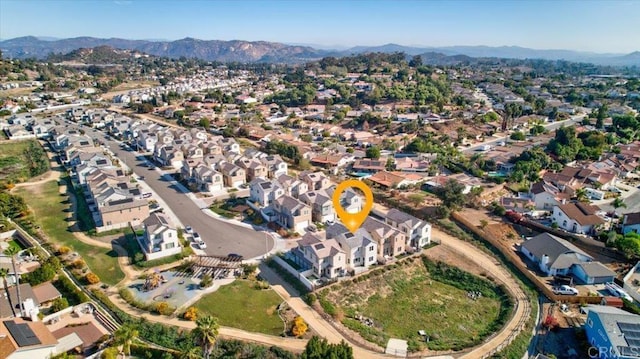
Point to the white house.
(160, 237)
(326, 257)
(264, 192)
(418, 232)
(360, 248)
(578, 217)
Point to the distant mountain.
(509, 52)
(212, 50)
(263, 51)
(99, 55)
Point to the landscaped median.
(51, 213)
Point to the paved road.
(221, 237)
(549, 126)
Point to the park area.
(243, 304)
(51, 213)
(430, 304)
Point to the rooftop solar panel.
(22, 334)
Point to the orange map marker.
(353, 221)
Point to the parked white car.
(565, 290)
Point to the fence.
(282, 263)
(519, 264)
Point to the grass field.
(239, 305)
(51, 213)
(404, 300)
(13, 164)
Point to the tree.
(617, 203)
(416, 199)
(483, 223)
(125, 335)
(92, 278)
(629, 244)
(12, 206)
(191, 353)
(581, 195)
(59, 304)
(373, 152)
(11, 252)
(451, 194)
(518, 136)
(205, 123)
(319, 348)
(206, 334)
(299, 327)
(416, 61)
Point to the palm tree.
(124, 336)
(581, 195)
(206, 333)
(192, 353)
(11, 252)
(617, 203)
(4, 272)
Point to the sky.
(609, 26)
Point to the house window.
(371, 248)
(170, 245)
(564, 223)
(590, 323)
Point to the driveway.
(222, 237)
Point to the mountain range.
(274, 52)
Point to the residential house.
(325, 257)
(418, 232)
(391, 242)
(395, 179)
(577, 217)
(361, 249)
(612, 332)
(160, 237)
(122, 213)
(275, 165)
(292, 186)
(207, 179)
(315, 180)
(146, 140)
(265, 192)
(169, 156)
(556, 256)
(292, 213)
(253, 168)
(331, 161)
(232, 175)
(631, 223)
(229, 145)
(321, 204)
(545, 195)
(21, 339)
(368, 166)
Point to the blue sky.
(588, 25)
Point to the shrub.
(163, 308)
(59, 304)
(109, 353)
(92, 278)
(191, 314)
(299, 327)
(64, 250)
(206, 281)
(78, 263)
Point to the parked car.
(617, 291)
(201, 244)
(565, 290)
(188, 229)
(196, 236)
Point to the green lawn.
(13, 164)
(407, 299)
(239, 305)
(51, 212)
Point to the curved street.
(221, 236)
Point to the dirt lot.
(449, 256)
(563, 341)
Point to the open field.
(401, 301)
(14, 164)
(51, 213)
(240, 305)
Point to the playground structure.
(153, 281)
